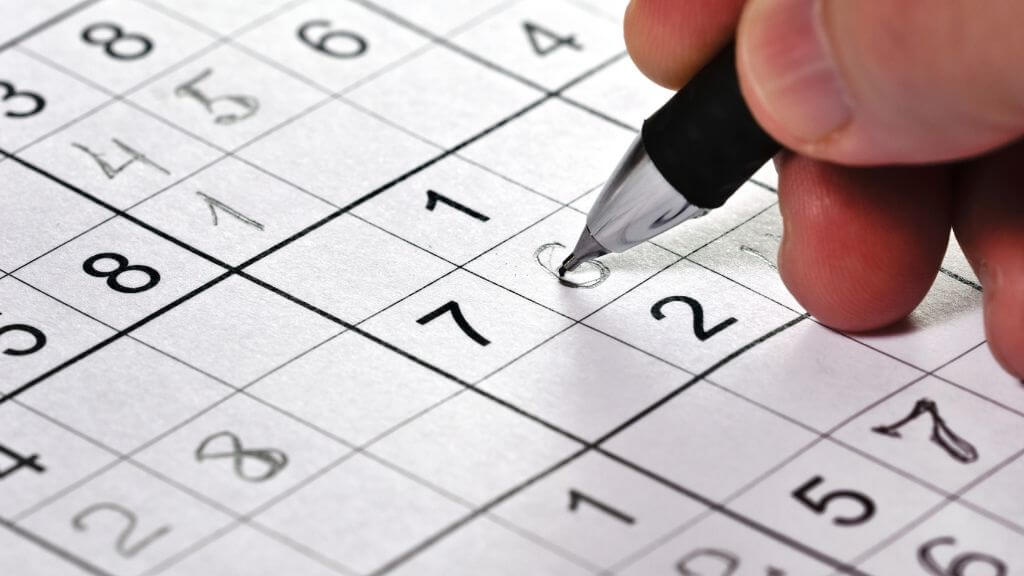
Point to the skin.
(903, 122)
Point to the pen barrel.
(705, 141)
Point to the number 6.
(322, 44)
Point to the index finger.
(671, 40)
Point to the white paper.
(277, 296)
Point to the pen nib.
(561, 269)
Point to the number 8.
(111, 36)
(89, 266)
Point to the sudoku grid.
(276, 297)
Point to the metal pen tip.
(586, 249)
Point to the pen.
(690, 157)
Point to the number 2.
(699, 331)
(130, 521)
(802, 494)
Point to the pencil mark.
(760, 255)
(959, 564)
(323, 43)
(545, 41)
(273, 461)
(215, 205)
(122, 545)
(958, 448)
(590, 274)
(756, 254)
(111, 171)
(247, 105)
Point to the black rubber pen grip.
(705, 141)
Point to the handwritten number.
(116, 43)
(35, 333)
(215, 205)
(111, 171)
(273, 461)
(959, 564)
(958, 448)
(576, 498)
(245, 106)
(330, 41)
(10, 93)
(433, 198)
(18, 462)
(123, 547)
(699, 331)
(123, 267)
(544, 41)
(456, 312)
(803, 495)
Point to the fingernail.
(792, 69)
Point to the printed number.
(576, 497)
(433, 198)
(116, 43)
(727, 562)
(123, 547)
(123, 267)
(456, 312)
(18, 462)
(273, 460)
(35, 333)
(334, 43)
(802, 494)
(544, 41)
(10, 93)
(959, 564)
(699, 331)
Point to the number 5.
(802, 494)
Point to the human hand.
(904, 120)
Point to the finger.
(670, 40)
(884, 82)
(861, 246)
(989, 223)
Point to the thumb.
(859, 82)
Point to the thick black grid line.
(538, 104)
(52, 548)
(48, 23)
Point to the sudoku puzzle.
(278, 296)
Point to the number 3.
(802, 494)
(10, 93)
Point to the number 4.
(544, 41)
